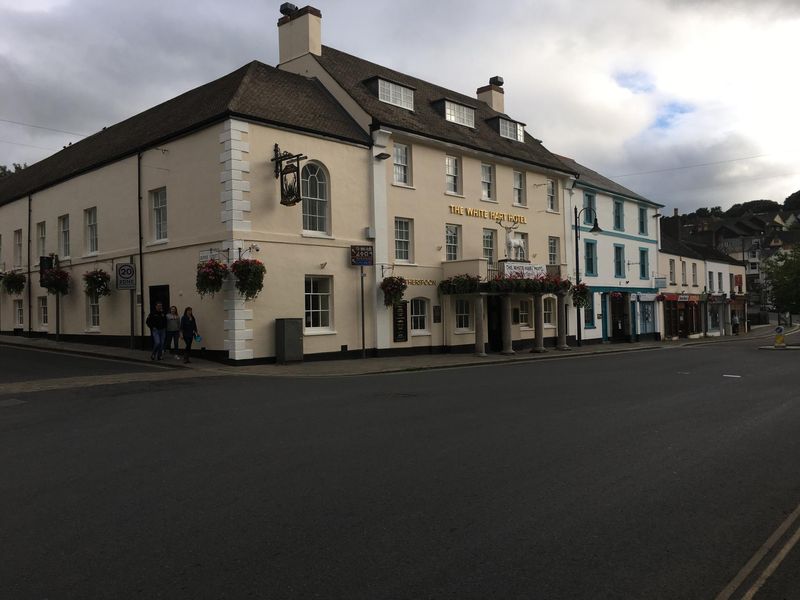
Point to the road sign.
(361, 256)
(126, 276)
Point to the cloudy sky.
(688, 102)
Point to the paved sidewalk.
(393, 364)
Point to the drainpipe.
(141, 255)
(30, 298)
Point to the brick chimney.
(492, 94)
(299, 32)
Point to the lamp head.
(595, 228)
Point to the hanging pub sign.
(287, 168)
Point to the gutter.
(30, 291)
(141, 255)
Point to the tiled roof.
(709, 253)
(354, 75)
(254, 92)
(670, 245)
(594, 179)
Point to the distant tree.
(717, 212)
(5, 171)
(702, 212)
(792, 201)
(755, 206)
(783, 276)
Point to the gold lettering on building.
(420, 282)
(481, 213)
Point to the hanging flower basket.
(211, 275)
(97, 283)
(660, 298)
(393, 288)
(459, 284)
(13, 283)
(55, 281)
(616, 295)
(249, 273)
(580, 295)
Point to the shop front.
(682, 316)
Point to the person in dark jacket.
(157, 322)
(188, 331)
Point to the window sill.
(314, 332)
(454, 194)
(463, 331)
(89, 255)
(555, 212)
(489, 200)
(157, 242)
(549, 326)
(590, 326)
(526, 328)
(92, 330)
(405, 186)
(515, 205)
(404, 263)
(317, 234)
(420, 333)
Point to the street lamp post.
(594, 230)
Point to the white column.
(380, 217)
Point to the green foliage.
(754, 206)
(792, 201)
(783, 274)
(13, 282)
(5, 171)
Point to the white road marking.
(734, 376)
(683, 373)
(772, 566)
(762, 552)
(11, 402)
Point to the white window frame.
(159, 211)
(487, 182)
(512, 130)
(711, 281)
(41, 238)
(323, 308)
(19, 314)
(395, 94)
(17, 255)
(552, 196)
(90, 223)
(694, 274)
(518, 183)
(316, 212)
(463, 315)
(92, 312)
(553, 250)
(525, 314)
(672, 280)
(548, 302)
(720, 282)
(419, 317)
(458, 113)
(452, 174)
(402, 164)
(489, 253)
(41, 309)
(63, 236)
(452, 241)
(403, 240)
(683, 273)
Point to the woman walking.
(173, 331)
(188, 331)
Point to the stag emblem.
(515, 247)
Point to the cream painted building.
(437, 182)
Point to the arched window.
(314, 190)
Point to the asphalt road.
(650, 475)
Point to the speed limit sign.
(126, 276)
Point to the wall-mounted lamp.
(570, 185)
(382, 156)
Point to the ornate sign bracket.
(287, 168)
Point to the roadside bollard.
(780, 339)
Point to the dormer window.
(393, 93)
(512, 130)
(458, 113)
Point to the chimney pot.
(675, 212)
(496, 80)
